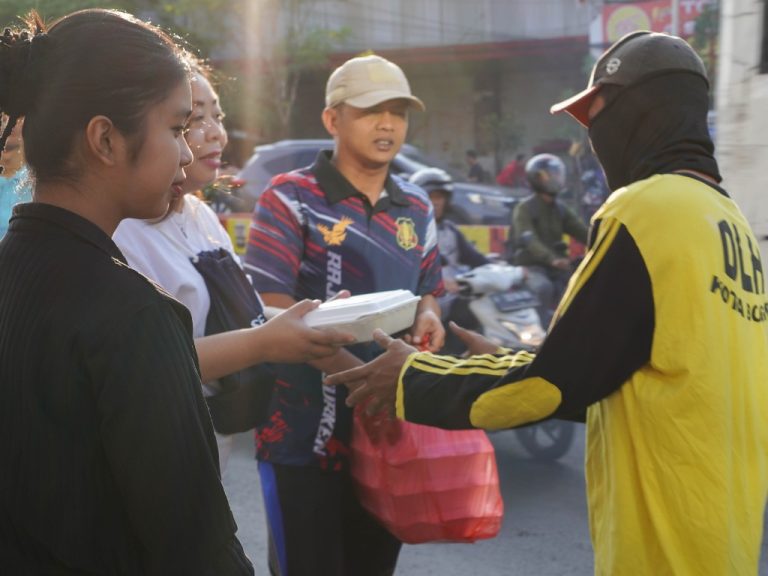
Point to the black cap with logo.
(634, 57)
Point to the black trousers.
(318, 528)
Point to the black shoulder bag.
(243, 402)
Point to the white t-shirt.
(162, 251)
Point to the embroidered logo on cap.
(612, 66)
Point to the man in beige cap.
(661, 340)
(344, 223)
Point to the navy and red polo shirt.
(312, 235)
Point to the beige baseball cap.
(366, 81)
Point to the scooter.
(504, 310)
(506, 315)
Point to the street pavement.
(545, 530)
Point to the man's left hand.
(427, 333)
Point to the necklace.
(180, 219)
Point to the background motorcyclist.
(457, 254)
(536, 234)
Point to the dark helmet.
(546, 173)
(433, 180)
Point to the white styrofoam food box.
(360, 315)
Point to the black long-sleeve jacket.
(108, 460)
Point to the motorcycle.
(505, 313)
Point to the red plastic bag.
(426, 484)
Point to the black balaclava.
(655, 126)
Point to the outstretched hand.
(376, 380)
(291, 340)
(476, 343)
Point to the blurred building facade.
(742, 101)
(487, 70)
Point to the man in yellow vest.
(661, 338)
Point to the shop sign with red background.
(620, 19)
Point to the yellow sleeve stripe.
(509, 361)
(460, 371)
(399, 395)
(439, 360)
(515, 404)
(485, 364)
(608, 231)
(500, 358)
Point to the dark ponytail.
(89, 63)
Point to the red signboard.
(620, 19)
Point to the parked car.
(472, 203)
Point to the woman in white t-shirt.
(163, 251)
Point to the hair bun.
(21, 52)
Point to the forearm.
(603, 332)
(428, 303)
(228, 352)
(468, 254)
(540, 254)
(342, 360)
(454, 393)
(533, 249)
(574, 227)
